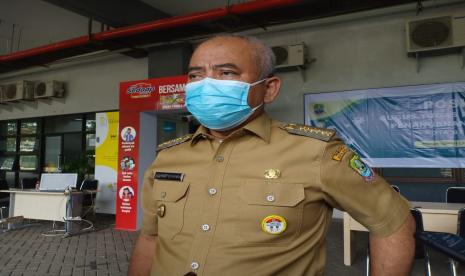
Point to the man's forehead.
(225, 41)
(223, 51)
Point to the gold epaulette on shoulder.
(174, 142)
(323, 134)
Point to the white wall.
(89, 87)
(356, 54)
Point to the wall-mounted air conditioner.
(290, 55)
(21, 90)
(435, 33)
(46, 89)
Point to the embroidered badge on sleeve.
(361, 168)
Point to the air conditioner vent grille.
(280, 53)
(290, 55)
(10, 92)
(432, 34)
(41, 88)
(435, 35)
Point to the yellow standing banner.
(106, 161)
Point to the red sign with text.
(153, 94)
(136, 97)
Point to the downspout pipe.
(176, 21)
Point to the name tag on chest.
(169, 176)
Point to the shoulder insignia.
(174, 142)
(340, 152)
(323, 134)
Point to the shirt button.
(270, 198)
(205, 227)
(212, 191)
(219, 158)
(161, 210)
(195, 265)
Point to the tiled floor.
(105, 251)
(36, 250)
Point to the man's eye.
(194, 76)
(229, 73)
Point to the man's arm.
(393, 255)
(142, 255)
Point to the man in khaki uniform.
(248, 194)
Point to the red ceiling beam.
(176, 21)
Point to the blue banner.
(413, 126)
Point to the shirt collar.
(260, 126)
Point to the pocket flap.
(273, 194)
(170, 191)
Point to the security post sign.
(136, 97)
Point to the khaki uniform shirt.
(216, 221)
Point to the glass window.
(8, 129)
(7, 163)
(63, 124)
(28, 162)
(90, 142)
(90, 122)
(10, 178)
(72, 147)
(52, 153)
(28, 144)
(11, 144)
(28, 128)
(11, 128)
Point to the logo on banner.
(319, 108)
(140, 90)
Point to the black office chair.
(396, 188)
(89, 184)
(28, 183)
(460, 233)
(88, 200)
(455, 195)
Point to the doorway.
(174, 125)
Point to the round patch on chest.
(274, 224)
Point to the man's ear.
(272, 86)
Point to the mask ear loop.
(253, 84)
(257, 107)
(258, 82)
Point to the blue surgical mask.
(220, 104)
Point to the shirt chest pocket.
(270, 212)
(171, 200)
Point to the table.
(34, 204)
(437, 216)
